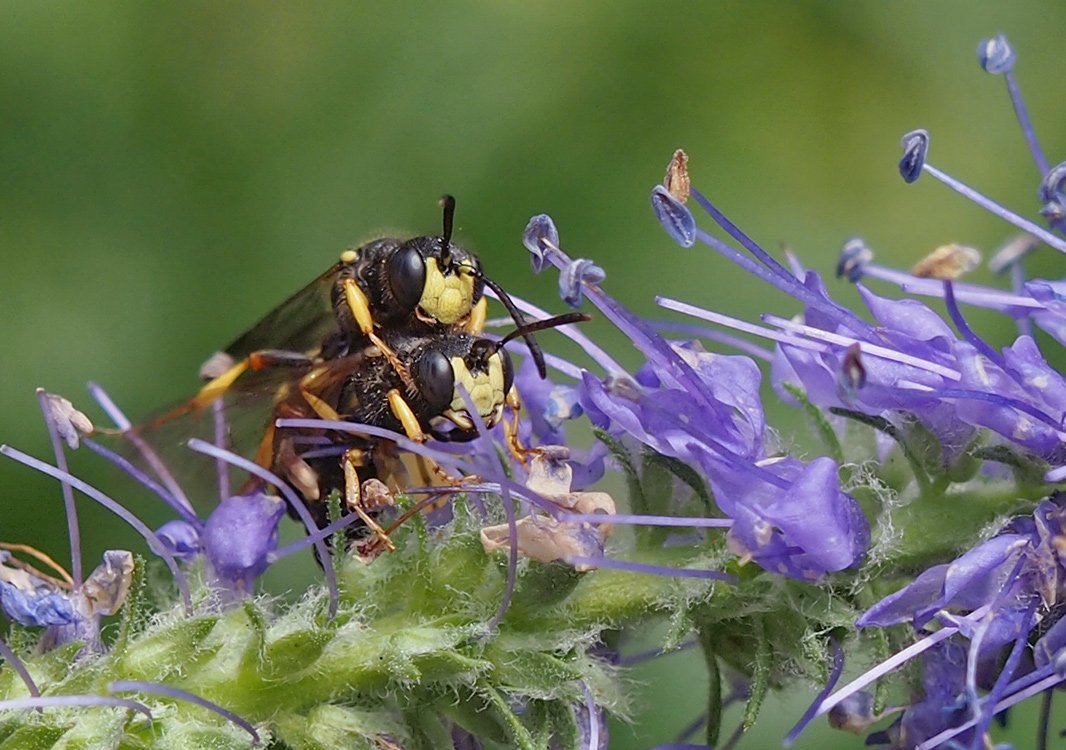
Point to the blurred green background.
(171, 171)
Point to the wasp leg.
(297, 471)
(320, 407)
(510, 429)
(354, 500)
(359, 306)
(476, 323)
(218, 385)
(402, 411)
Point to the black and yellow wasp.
(384, 337)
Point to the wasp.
(427, 284)
(384, 337)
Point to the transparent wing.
(299, 324)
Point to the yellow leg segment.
(402, 411)
(206, 396)
(353, 499)
(216, 387)
(510, 429)
(322, 409)
(359, 305)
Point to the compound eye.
(436, 380)
(407, 275)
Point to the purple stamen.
(126, 466)
(736, 324)
(656, 570)
(993, 299)
(792, 285)
(1053, 195)
(811, 712)
(747, 347)
(1000, 400)
(994, 208)
(1003, 680)
(201, 446)
(915, 147)
(322, 534)
(997, 57)
(73, 533)
(61, 701)
(654, 653)
(509, 512)
(594, 724)
(899, 658)
(138, 686)
(787, 284)
(16, 663)
(94, 494)
(855, 257)
(637, 520)
(540, 233)
(674, 216)
(128, 433)
(651, 344)
(868, 350)
(218, 418)
(572, 278)
(964, 328)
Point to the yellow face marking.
(349, 256)
(476, 323)
(446, 298)
(485, 389)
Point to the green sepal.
(328, 727)
(821, 423)
(33, 737)
(134, 607)
(759, 682)
(173, 648)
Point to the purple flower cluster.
(984, 617)
(704, 410)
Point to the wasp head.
(439, 281)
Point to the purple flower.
(808, 530)
(238, 538)
(30, 600)
(35, 600)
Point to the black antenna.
(520, 321)
(447, 202)
(488, 348)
